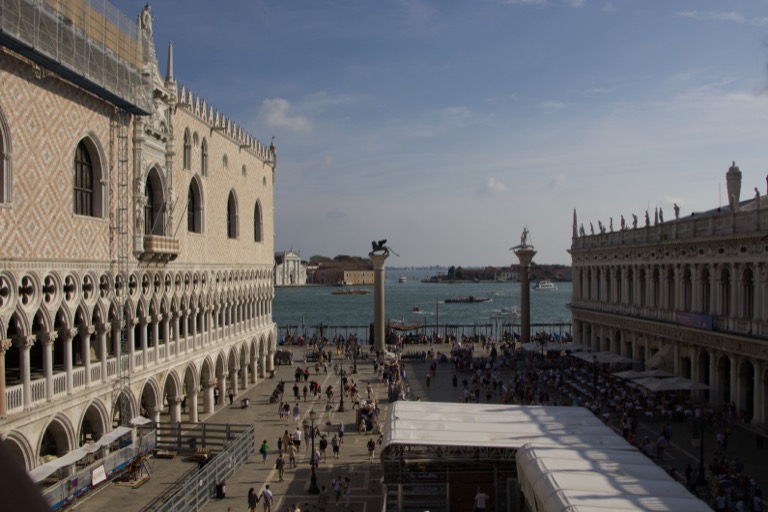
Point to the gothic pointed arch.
(232, 217)
(204, 157)
(195, 206)
(89, 187)
(257, 223)
(154, 206)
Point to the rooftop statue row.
(733, 178)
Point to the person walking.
(347, 492)
(292, 455)
(296, 413)
(280, 465)
(323, 446)
(341, 432)
(480, 500)
(253, 500)
(297, 438)
(264, 451)
(371, 449)
(322, 499)
(335, 446)
(338, 485)
(267, 497)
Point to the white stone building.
(688, 293)
(136, 226)
(289, 269)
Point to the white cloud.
(494, 185)
(276, 112)
(526, 2)
(551, 105)
(609, 7)
(733, 16)
(574, 3)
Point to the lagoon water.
(302, 309)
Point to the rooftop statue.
(380, 247)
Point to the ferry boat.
(352, 291)
(471, 299)
(545, 285)
(402, 279)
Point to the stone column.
(67, 336)
(208, 407)
(4, 346)
(156, 319)
(132, 343)
(262, 365)
(714, 386)
(525, 254)
(85, 349)
(233, 380)
(254, 368)
(156, 414)
(244, 376)
(222, 381)
(735, 395)
(47, 340)
(102, 331)
(192, 403)
(25, 343)
(143, 323)
(165, 329)
(174, 406)
(379, 340)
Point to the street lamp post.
(354, 357)
(313, 488)
(342, 373)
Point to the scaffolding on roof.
(88, 42)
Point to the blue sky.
(448, 126)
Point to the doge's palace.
(136, 234)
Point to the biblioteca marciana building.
(136, 227)
(689, 294)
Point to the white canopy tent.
(557, 479)
(448, 424)
(604, 358)
(42, 472)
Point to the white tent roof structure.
(599, 479)
(567, 460)
(447, 424)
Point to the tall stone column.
(143, 341)
(102, 331)
(207, 397)
(758, 417)
(525, 253)
(4, 346)
(244, 376)
(192, 398)
(254, 367)
(378, 260)
(85, 351)
(67, 335)
(47, 339)
(25, 344)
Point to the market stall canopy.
(604, 358)
(670, 384)
(636, 374)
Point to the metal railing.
(69, 488)
(192, 494)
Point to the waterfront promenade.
(353, 461)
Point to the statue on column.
(380, 248)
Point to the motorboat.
(416, 309)
(402, 279)
(467, 300)
(545, 285)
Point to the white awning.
(140, 420)
(597, 479)
(40, 473)
(662, 358)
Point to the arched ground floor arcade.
(734, 367)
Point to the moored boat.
(545, 285)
